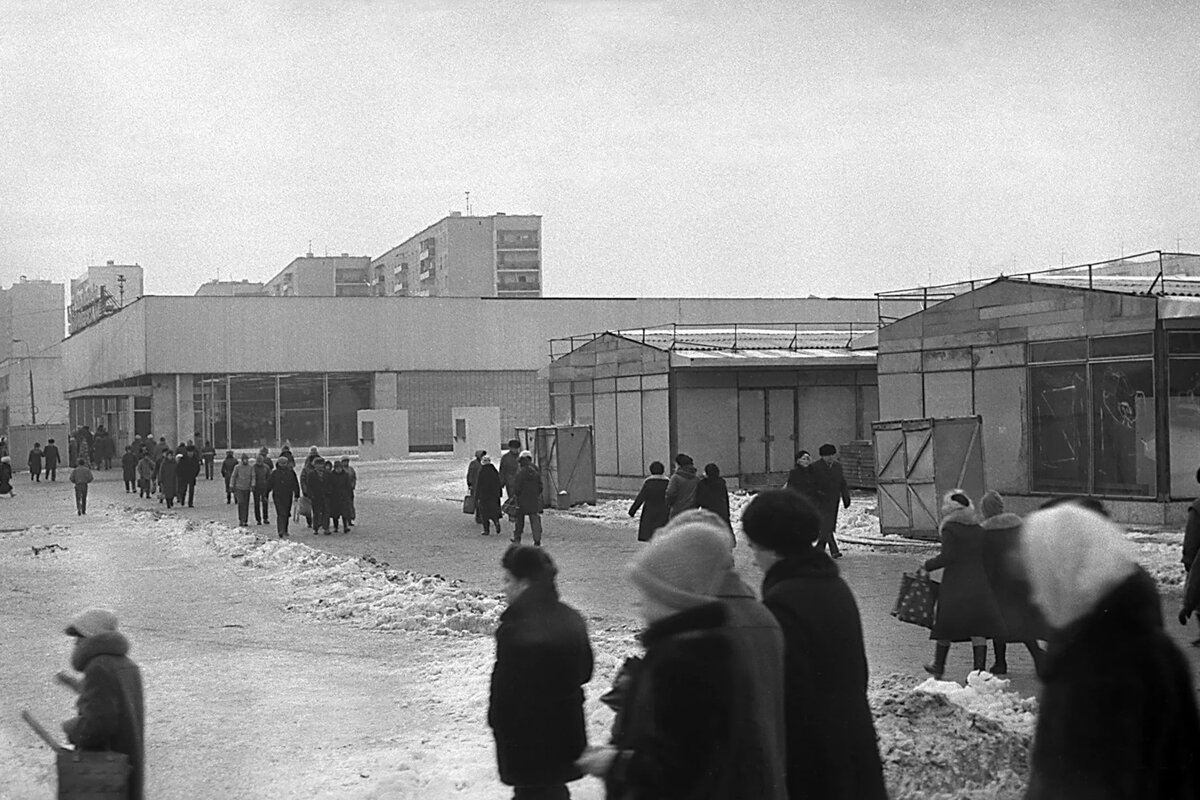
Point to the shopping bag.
(86, 774)
(469, 504)
(510, 508)
(917, 602)
(304, 507)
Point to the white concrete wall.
(482, 431)
(391, 434)
(385, 334)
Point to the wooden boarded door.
(921, 471)
(892, 485)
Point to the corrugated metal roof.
(773, 357)
(727, 338)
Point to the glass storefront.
(1183, 411)
(301, 409)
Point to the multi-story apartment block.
(323, 276)
(31, 333)
(496, 256)
(102, 291)
(230, 288)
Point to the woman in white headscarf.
(1118, 716)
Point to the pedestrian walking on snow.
(1023, 622)
(966, 608)
(168, 478)
(52, 457)
(227, 472)
(313, 486)
(353, 475)
(712, 494)
(208, 454)
(189, 471)
(6, 477)
(110, 709)
(527, 489)
(803, 479)
(338, 493)
(1117, 712)
(262, 494)
(487, 495)
(284, 488)
(473, 470)
(509, 466)
(35, 462)
(652, 500)
(242, 480)
(831, 488)
(129, 463)
(81, 476)
(145, 474)
(681, 489)
(543, 660)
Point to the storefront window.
(1123, 416)
(1183, 410)
(347, 394)
(252, 410)
(302, 410)
(1059, 454)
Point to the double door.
(767, 433)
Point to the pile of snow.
(368, 593)
(940, 740)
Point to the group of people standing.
(521, 484)
(733, 697)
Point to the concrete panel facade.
(949, 394)
(1000, 401)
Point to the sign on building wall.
(90, 303)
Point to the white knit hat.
(685, 562)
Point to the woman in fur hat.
(1117, 712)
(1001, 545)
(966, 609)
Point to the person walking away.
(129, 463)
(227, 472)
(685, 726)
(338, 492)
(1022, 621)
(52, 457)
(713, 495)
(190, 471)
(1191, 542)
(509, 466)
(473, 471)
(81, 476)
(262, 473)
(145, 474)
(487, 495)
(527, 489)
(353, 475)
(209, 454)
(284, 488)
(35, 462)
(832, 750)
(6, 477)
(802, 478)
(831, 487)
(242, 481)
(535, 701)
(110, 709)
(966, 608)
(681, 489)
(168, 478)
(1117, 711)
(652, 500)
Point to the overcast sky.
(697, 149)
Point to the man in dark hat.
(831, 487)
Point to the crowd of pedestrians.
(518, 480)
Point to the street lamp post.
(29, 364)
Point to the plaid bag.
(917, 603)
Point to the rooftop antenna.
(121, 287)
(309, 253)
(468, 194)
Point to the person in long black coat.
(110, 707)
(831, 743)
(543, 659)
(189, 470)
(487, 495)
(1117, 714)
(526, 488)
(338, 496)
(168, 478)
(6, 475)
(1022, 621)
(35, 463)
(802, 478)
(652, 500)
(284, 488)
(129, 462)
(53, 457)
(966, 608)
(831, 488)
(712, 494)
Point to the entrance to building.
(766, 435)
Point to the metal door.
(781, 429)
(752, 431)
(920, 471)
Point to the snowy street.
(276, 670)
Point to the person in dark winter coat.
(686, 725)
(168, 478)
(527, 489)
(313, 486)
(802, 478)
(712, 494)
(487, 495)
(832, 750)
(338, 496)
(52, 457)
(129, 463)
(1191, 542)
(284, 487)
(652, 500)
(35, 462)
(110, 709)
(509, 466)
(189, 471)
(1022, 621)
(966, 608)
(831, 488)
(473, 470)
(261, 494)
(227, 472)
(1117, 713)
(208, 454)
(543, 659)
(243, 482)
(681, 489)
(6, 476)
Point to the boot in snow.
(980, 657)
(938, 668)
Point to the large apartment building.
(31, 332)
(495, 256)
(323, 276)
